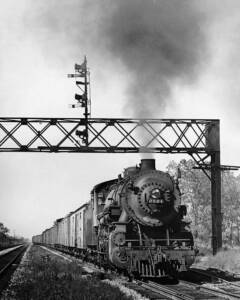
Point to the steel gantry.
(194, 137)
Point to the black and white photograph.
(119, 149)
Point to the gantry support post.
(214, 146)
(216, 203)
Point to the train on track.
(134, 223)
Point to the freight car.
(134, 223)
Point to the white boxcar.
(66, 230)
(37, 239)
(72, 230)
(59, 230)
(77, 227)
(45, 237)
(52, 234)
(48, 236)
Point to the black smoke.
(160, 42)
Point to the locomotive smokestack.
(147, 164)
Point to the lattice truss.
(108, 135)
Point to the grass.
(46, 276)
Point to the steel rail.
(195, 290)
(213, 276)
(170, 293)
(217, 292)
(8, 250)
(4, 269)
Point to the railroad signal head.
(81, 97)
(82, 67)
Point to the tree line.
(6, 240)
(196, 195)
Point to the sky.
(147, 58)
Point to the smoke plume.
(160, 43)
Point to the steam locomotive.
(134, 223)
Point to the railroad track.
(187, 291)
(227, 290)
(229, 286)
(215, 277)
(8, 263)
(184, 290)
(165, 291)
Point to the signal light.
(81, 97)
(78, 97)
(81, 133)
(81, 67)
(77, 66)
(74, 105)
(80, 82)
